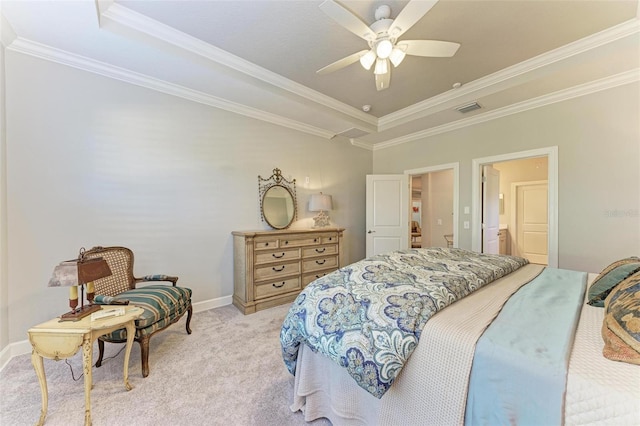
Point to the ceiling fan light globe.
(381, 66)
(368, 59)
(384, 48)
(397, 56)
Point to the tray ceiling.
(259, 58)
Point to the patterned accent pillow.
(610, 277)
(621, 326)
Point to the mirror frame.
(277, 180)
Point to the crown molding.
(86, 64)
(110, 12)
(489, 84)
(621, 79)
(138, 22)
(496, 81)
(360, 144)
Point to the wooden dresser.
(272, 267)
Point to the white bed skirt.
(432, 387)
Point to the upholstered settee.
(163, 304)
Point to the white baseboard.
(14, 349)
(212, 303)
(24, 347)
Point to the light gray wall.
(94, 161)
(4, 287)
(598, 139)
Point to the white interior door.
(532, 223)
(387, 213)
(490, 210)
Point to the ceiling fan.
(382, 37)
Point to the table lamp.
(320, 203)
(78, 272)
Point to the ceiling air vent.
(468, 107)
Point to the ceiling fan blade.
(383, 80)
(408, 16)
(432, 48)
(341, 63)
(347, 19)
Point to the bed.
(431, 378)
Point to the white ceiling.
(259, 58)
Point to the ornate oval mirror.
(278, 208)
(277, 200)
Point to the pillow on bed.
(621, 326)
(610, 277)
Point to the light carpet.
(229, 371)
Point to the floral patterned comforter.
(367, 316)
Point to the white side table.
(58, 340)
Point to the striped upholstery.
(162, 304)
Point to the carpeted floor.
(228, 372)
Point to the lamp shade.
(320, 202)
(397, 55)
(368, 59)
(381, 67)
(76, 272)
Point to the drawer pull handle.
(278, 257)
(321, 250)
(315, 240)
(321, 262)
(278, 270)
(319, 276)
(286, 242)
(278, 286)
(266, 244)
(330, 238)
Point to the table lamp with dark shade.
(78, 272)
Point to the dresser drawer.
(276, 256)
(299, 242)
(266, 243)
(276, 270)
(319, 263)
(328, 239)
(320, 250)
(277, 287)
(308, 278)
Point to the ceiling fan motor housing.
(382, 12)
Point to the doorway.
(434, 206)
(527, 210)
